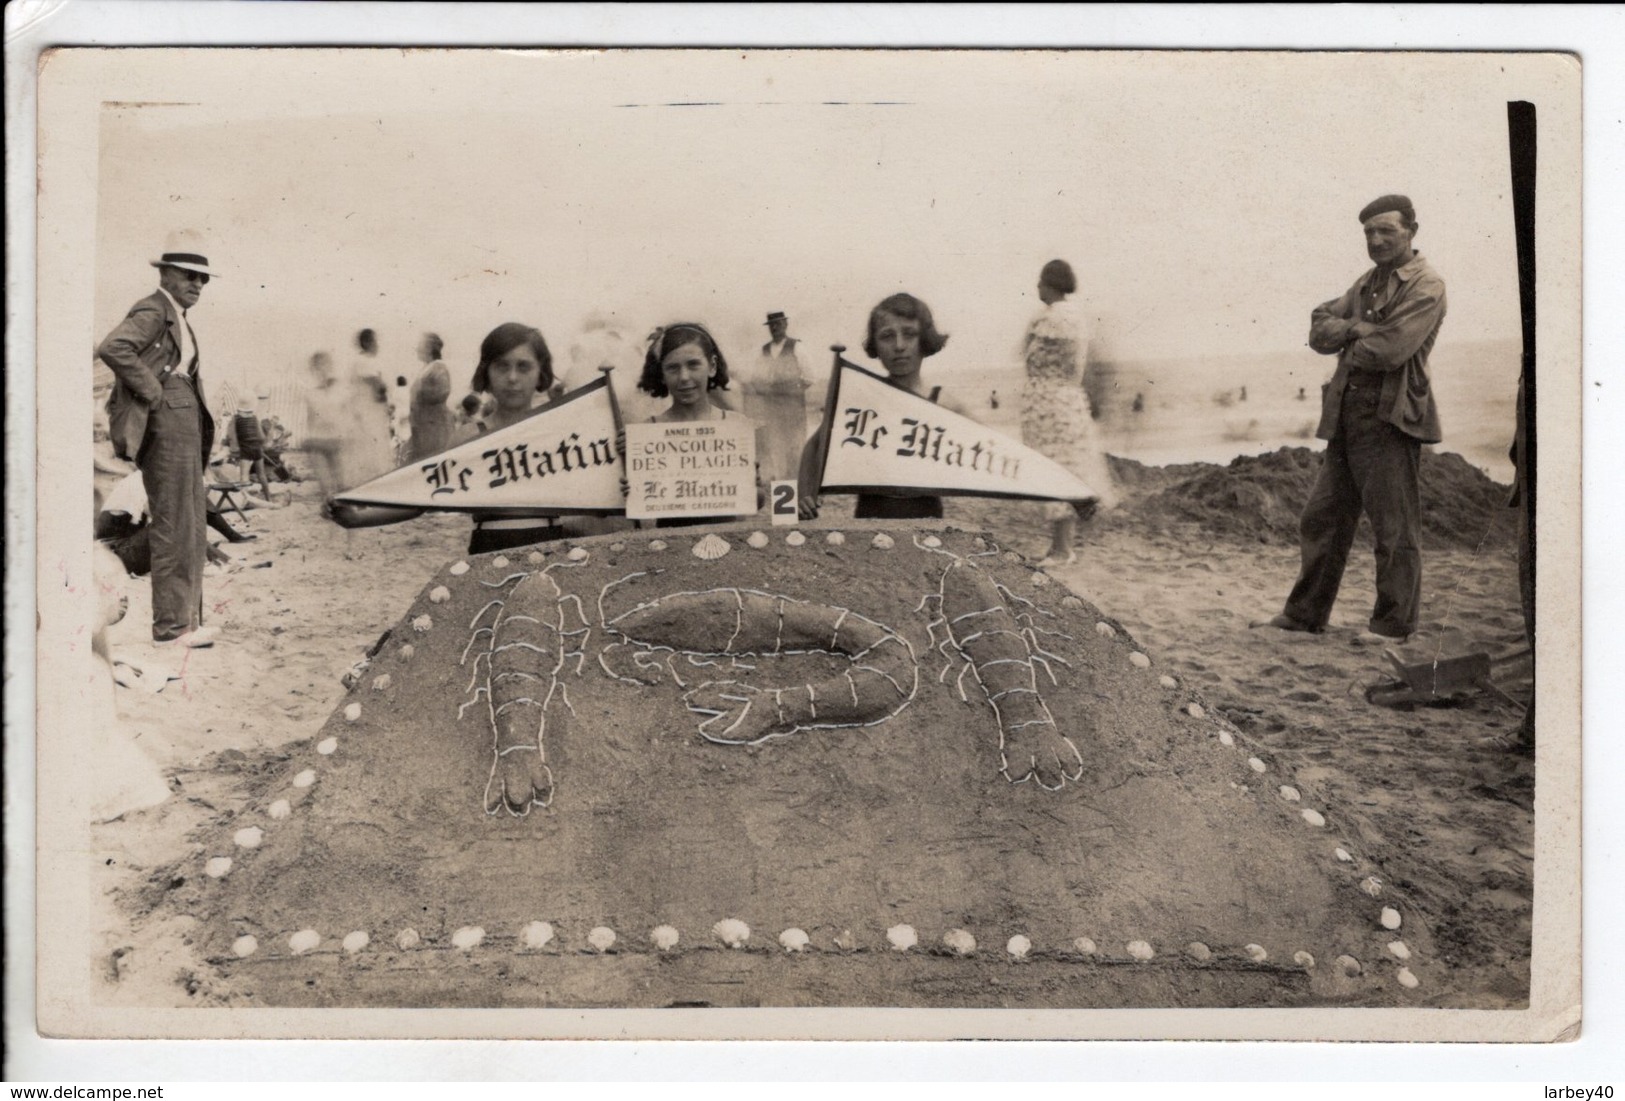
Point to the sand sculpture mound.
(879, 766)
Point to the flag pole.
(828, 425)
(614, 406)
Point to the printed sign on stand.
(700, 468)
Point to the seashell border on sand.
(1380, 958)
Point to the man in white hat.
(158, 420)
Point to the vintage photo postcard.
(807, 544)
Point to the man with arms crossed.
(1377, 412)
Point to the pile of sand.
(1260, 497)
(1177, 864)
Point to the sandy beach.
(1192, 556)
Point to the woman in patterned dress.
(1055, 416)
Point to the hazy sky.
(1207, 201)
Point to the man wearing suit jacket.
(1377, 412)
(158, 419)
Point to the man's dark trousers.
(171, 462)
(1372, 466)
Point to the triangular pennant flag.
(882, 437)
(560, 458)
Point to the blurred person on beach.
(1376, 413)
(1056, 419)
(902, 334)
(246, 443)
(431, 426)
(685, 364)
(775, 397)
(517, 369)
(158, 419)
(126, 778)
(371, 449)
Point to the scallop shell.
(1399, 949)
(1256, 765)
(499, 562)
(795, 539)
(664, 937)
(407, 939)
(657, 544)
(931, 541)
(327, 746)
(1290, 793)
(959, 942)
(835, 539)
(758, 539)
(1105, 630)
(1139, 660)
(303, 941)
(1085, 945)
(305, 778)
(1313, 817)
(458, 569)
(602, 938)
(882, 542)
(356, 941)
(1349, 965)
(1391, 918)
(535, 558)
(1343, 855)
(1040, 579)
(439, 594)
(1226, 738)
(1407, 979)
(577, 554)
(422, 623)
(794, 940)
(902, 937)
(536, 935)
(1304, 960)
(281, 809)
(243, 947)
(732, 932)
(1371, 885)
(1194, 710)
(711, 548)
(382, 682)
(405, 653)
(1167, 682)
(1257, 952)
(1198, 951)
(469, 936)
(249, 837)
(1071, 602)
(617, 548)
(845, 941)
(1140, 950)
(217, 867)
(352, 712)
(1018, 946)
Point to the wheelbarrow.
(1442, 679)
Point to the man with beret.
(158, 420)
(1377, 412)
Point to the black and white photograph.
(669, 542)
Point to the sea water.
(1194, 410)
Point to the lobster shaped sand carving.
(689, 635)
(995, 634)
(525, 641)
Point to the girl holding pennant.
(516, 368)
(902, 334)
